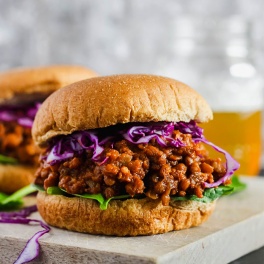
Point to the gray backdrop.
(117, 36)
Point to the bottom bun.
(131, 217)
(15, 177)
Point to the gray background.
(117, 36)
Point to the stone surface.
(235, 228)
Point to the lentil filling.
(16, 142)
(150, 169)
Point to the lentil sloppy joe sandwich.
(22, 91)
(124, 156)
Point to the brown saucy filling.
(16, 142)
(156, 171)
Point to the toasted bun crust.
(38, 81)
(14, 177)
(104, 101)
(130, 217)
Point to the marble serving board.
(235, 229)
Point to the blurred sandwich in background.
(22, 91)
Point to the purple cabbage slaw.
(66, 147)
(231, 164)
(78, 142)
(31, 250)
(23, 115)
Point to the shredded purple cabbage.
(25, 212)
(77, 143)
(31, 250)
(161, 131)
(231, 164)
(23, 115)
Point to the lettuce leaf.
(7, 160)
(38, 187)
(212, 194)
(14, 201)
(11, 205)
(98, 197)
(237, 184)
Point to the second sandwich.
(21, 93)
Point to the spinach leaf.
(98, 197)
(7, 160)
(14, 201)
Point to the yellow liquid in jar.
(240, 135)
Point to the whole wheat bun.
(104, 101)
(14, 177)
(130, 217)
(17, 84)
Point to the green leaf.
(7, 160)
(19, 194)
(98, 197)
(237, 184)
(104, 205)
(54, 190)
(11, 205)
(38, 187)
(14, 201)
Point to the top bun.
(15, 85)
(104, 101)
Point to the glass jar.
(215, 57)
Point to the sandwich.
(21, 93)
(123, 155)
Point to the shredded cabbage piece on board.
(31, 250)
